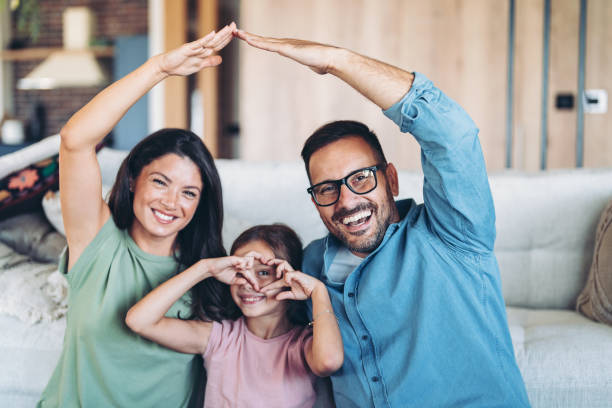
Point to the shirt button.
(364, 337)
(351, 294)
(375, 379)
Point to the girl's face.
(166, 195)
(252, 303)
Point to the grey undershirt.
(343, 264)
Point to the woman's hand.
(196, 55)
(293, 285)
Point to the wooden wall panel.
(527, 94)
(564, 29)
(175, 88)
(459, 44)
(207, 79)
(598, 127)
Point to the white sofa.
(546, 227)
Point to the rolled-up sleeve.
(456, 188)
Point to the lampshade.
(75, 65)
(63, 69)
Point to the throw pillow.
(595, 301)
(30, 234)
(21, 191)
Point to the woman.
(164, 213)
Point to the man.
(416, 288)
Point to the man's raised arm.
(381, 83)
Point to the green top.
(103, 363)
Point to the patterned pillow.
(595, 301)
(22, 190)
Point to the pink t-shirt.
(244, 370)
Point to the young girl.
(259, 354)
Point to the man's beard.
(384, 217)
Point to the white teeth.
(163, 216)
(252, 299)
(357, 216)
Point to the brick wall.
(113, 18)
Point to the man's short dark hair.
(341, 129)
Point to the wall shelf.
(29, 54)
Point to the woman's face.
(166, 195)
(252, 303)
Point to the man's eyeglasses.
(360, 181)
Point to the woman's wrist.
(156, 65)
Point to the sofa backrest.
(545, 221)
(545, 233)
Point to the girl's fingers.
(282, 266)
(274, 286)
(289, 277)
(240, 281)
(264, 260)
(277, 261)
(250, 277)
(286, 295)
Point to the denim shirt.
(422, 317)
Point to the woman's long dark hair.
(201, 238)
(285, 244)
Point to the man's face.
(359, 221)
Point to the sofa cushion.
(565, 358)
(32, 235)
(595, 301)
(26, 174)
(545, 233)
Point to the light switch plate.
(595, 101)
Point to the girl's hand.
(294, 285)
(196, 55)
(232, 270)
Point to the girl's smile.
(263, 313)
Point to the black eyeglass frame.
(342, 181)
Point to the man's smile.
(358, 218)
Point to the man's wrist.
(337, 59)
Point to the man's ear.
(392, 180)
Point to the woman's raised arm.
(83, 210)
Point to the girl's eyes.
(159, 181)
(190, 194)
(263, 273)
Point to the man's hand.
(196, 55)
(314, 55)
(381, 83)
